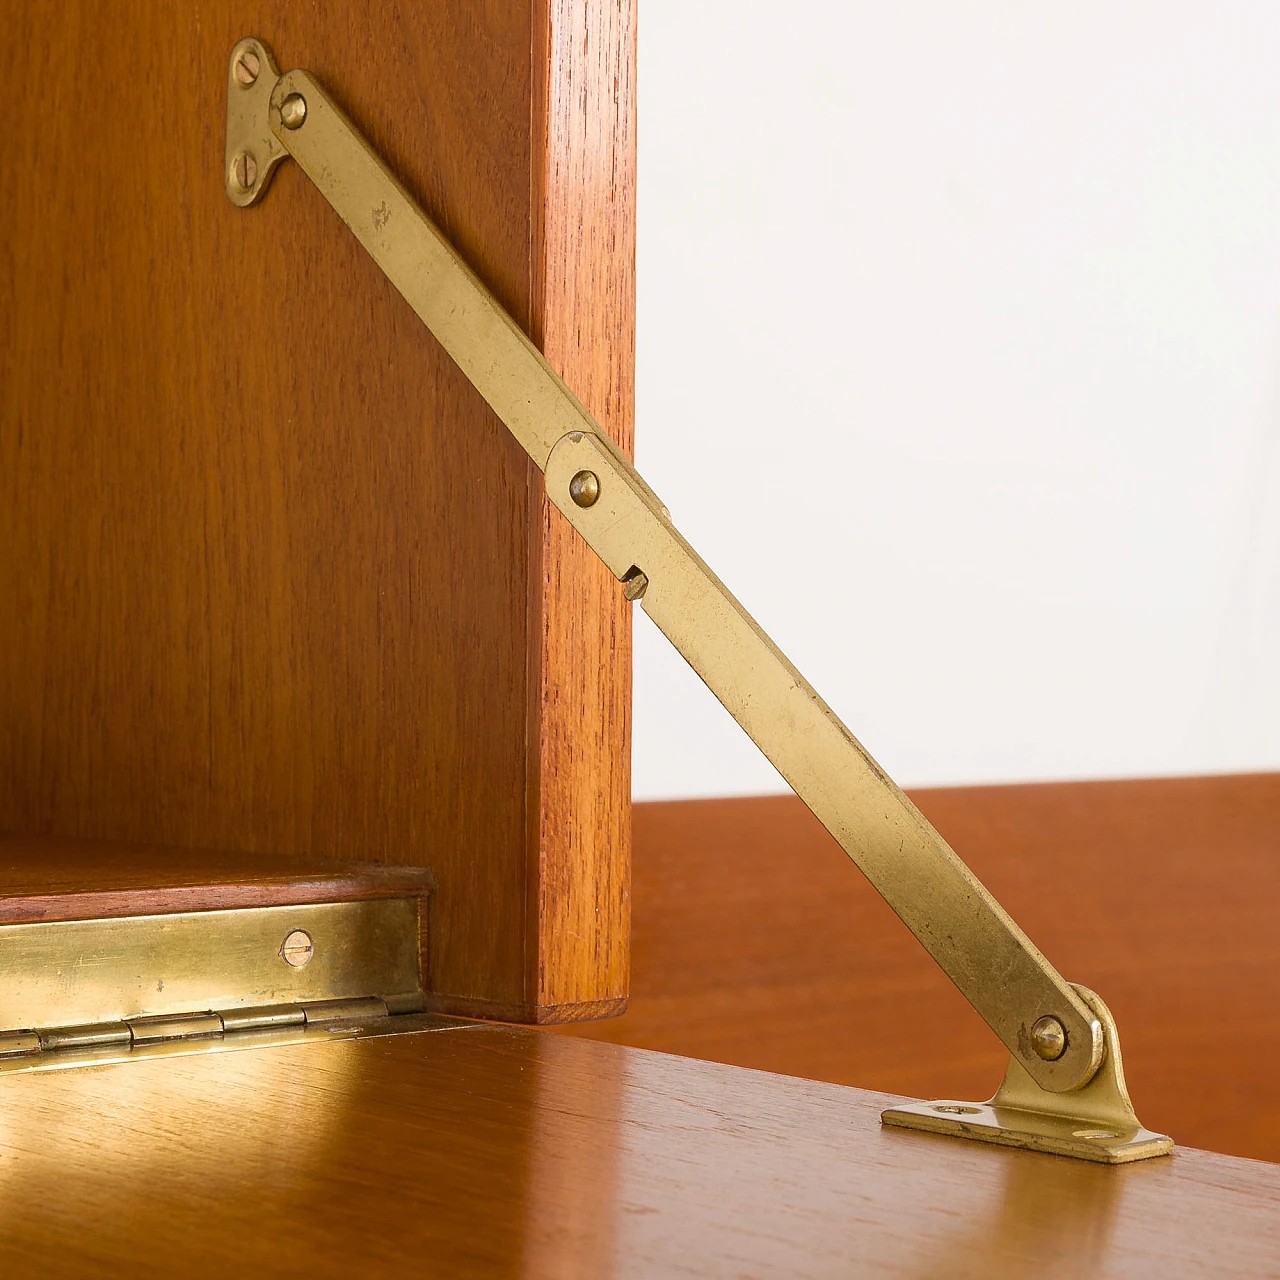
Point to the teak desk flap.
(506, 1151)
(251, 599)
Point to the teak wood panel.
(503, 1151)
(48, 879)
(273, 579)
(757, 942)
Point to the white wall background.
(959, 360)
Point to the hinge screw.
(247, 68)
(584, 488)
(244, 171)
(1049, 1038)
(297, 949)
(293, 111)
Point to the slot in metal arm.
(1064, 1090)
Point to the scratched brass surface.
(63, 973)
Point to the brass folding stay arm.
(1064, 1091)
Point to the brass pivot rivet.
(293, 111)
(247, 67)
(1049, 1038)
(584, 488)
(297, 949)
(244, 171)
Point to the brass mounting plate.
(64, 973)
(1029, 1130)
(252, 149)
(1096, 1122)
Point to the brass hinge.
(1064, 1090)
(102, 1041)
(105, 989)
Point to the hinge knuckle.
(179, 1026)
(133, 1033)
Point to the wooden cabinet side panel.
(266, 561)
(581, 685)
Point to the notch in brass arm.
(1064, 1090)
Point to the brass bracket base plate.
(1029, 1130)
(1095, 1122)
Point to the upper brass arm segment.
(483, 340)
(1057, 1036)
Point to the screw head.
(247, 68)
(297, 949)
(293, 111)
(1048, 1038)
(584, 488)
(244, 171)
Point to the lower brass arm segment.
(959, 923)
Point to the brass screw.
(1049, 1038)
(584, 488)
(247, 67)
(293, 111)
(297, 949)
(244, 171)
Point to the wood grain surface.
(45, 878)
(584, 309)
(757, 942)
(511, 1152)
(274, 579)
